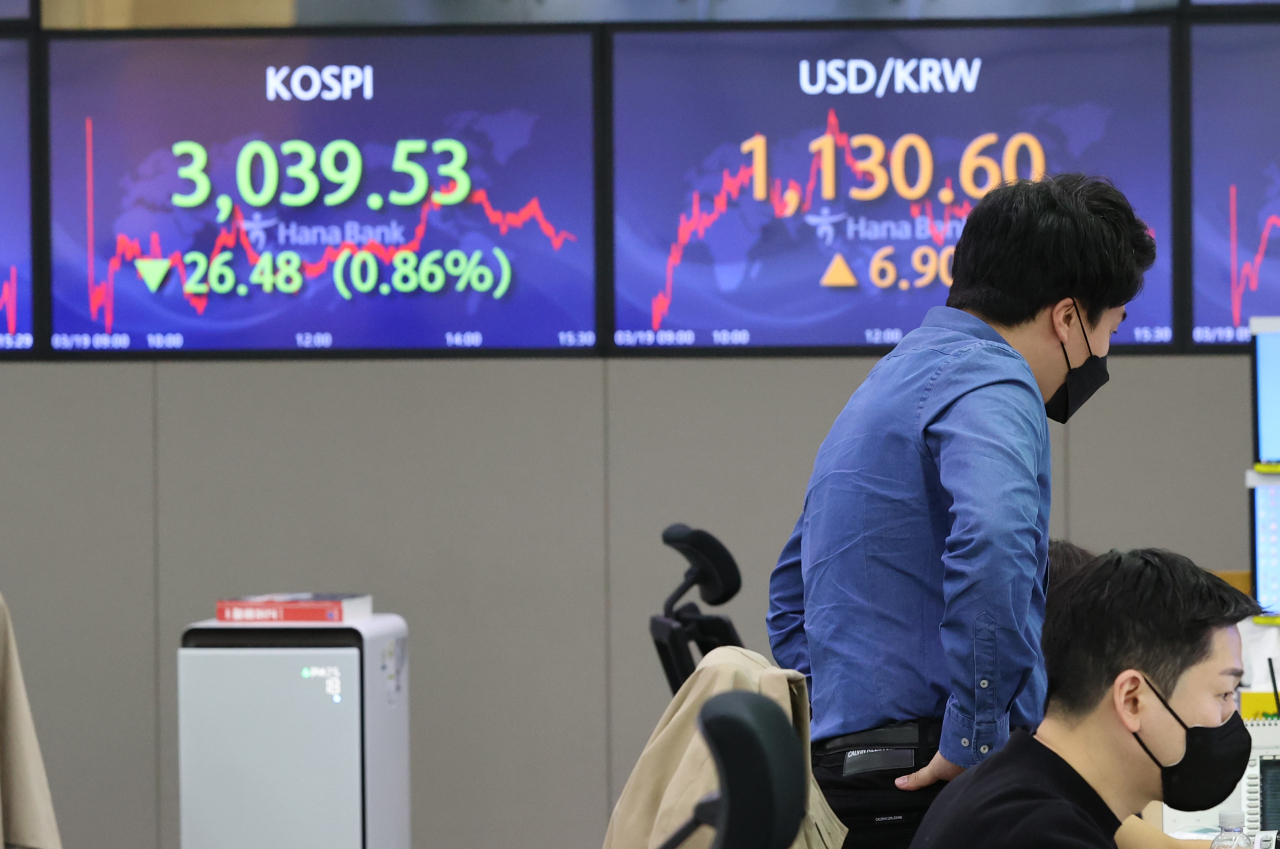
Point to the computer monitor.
(1267, 392)
(1266, 497)
(1266, 546)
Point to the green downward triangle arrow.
(152, 271)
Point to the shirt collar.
(1070, 783)
(954, 319)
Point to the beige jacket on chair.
(26, 807)
(676, 770)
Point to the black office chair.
(713, 571)
(760, 763)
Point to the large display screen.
(1235, 178)
(384, 192)
(808, 188)
(15, 187)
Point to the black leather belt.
(887, 747)
(919, 734)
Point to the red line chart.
(939, 234)
(696, 222)
(102, 293)
(1245, 276)
(9, 300)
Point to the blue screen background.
(683, 104)
(521, 106)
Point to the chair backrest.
(714, 572)
(717, 576)
(687, 625)
(760, 762)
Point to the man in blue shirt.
(911, 591)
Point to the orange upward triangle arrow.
(838, 273)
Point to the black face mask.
(1082, 381)
(1211, 767)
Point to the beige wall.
(510, 509)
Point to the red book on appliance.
(296, 607)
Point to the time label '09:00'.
(90, 341)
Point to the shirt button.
(984, 683)
(964, 741)
(984, 749)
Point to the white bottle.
(1232, 835)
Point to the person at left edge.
(912, 589)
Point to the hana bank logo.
(329, 83)
(858, 76)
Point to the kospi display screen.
(15, 188)
(1235, 125)
(392, 192)
(807, 188)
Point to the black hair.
(1027, 245)
(1065, 559)
(1146, 609)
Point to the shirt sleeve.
(987, 448)
(787, 637)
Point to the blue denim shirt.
(913, 585)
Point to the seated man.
(1143, 659)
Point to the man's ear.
(1125, 697)
(1062, 316)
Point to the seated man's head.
(1138, 647)
(1065, 559)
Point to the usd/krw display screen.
(1235, 147)
(354, 192)
(15, 187)
(808, 188)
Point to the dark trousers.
(874, 810)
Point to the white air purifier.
(294, 735)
